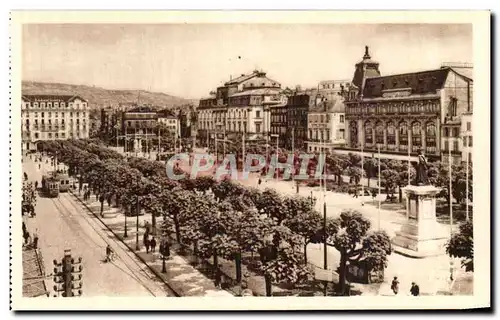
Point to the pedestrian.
(260, 181)
(36, 184)
(35, 240)
(414, 290)
(147, 227)
(167, 250)
(395, 285)
(152, 243)
(218, 277)
(26, 237)
(146, 243)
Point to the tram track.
(129, 252)
(75, 227)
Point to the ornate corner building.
(404, 113)
(53, 117)
(241, 106)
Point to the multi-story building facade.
(326, 125)
(241, 106)
(297, 108)
(53, 117)
(279, 123)
(137, 125)
(94, 123)
(466, 133)
(170, 121)
(405, 113)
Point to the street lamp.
(277, 146)
(165, 250)
(125, 234)
(378, 146)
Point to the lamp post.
(362, 174)
(379, 180)
(451, 206)
(125, 234)
(164, 246)
(277, 146)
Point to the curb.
(158, 274)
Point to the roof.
(166, 113)
(241, 78)
(465, 72)
(261, 82)
(335, 106)
(51, 97)
(423, 82)
(141, 109)
(262, 91)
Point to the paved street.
(62, 225)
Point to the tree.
(270, 203)
(389, 181)
(204, 183)
(281, 259)
(178, 205)
(461, 245)
(354, 174)
(307, 224)
(354, 242)
(370, 167)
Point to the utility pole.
(68, 276)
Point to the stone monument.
(421, 235)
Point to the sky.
(190, 60)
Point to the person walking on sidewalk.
(152, 243)
(414, 290)
(35, 239)
(146, 242)
(395, 285)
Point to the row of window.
(278, 118)
(54, 105)
(325, 135)
(324, 118)
(49, 121)
(56, 135)
(378, 132)
(56, 114)
(467, 141)
(382, 108)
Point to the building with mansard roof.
(405, 113)
(53, 117)
(241, 106)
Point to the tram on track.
(50, 187)
(55, 182)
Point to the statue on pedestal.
(422, 168)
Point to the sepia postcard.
(250, 160)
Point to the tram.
(64, 183)
(50, 186)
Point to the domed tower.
(366, 68)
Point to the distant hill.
(100, 97)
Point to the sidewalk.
(181, 277)
(34, 284)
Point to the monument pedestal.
(421, 236)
